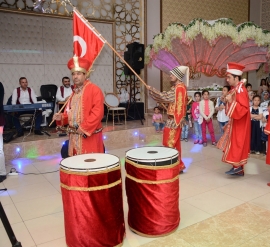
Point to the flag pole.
(60, 110)
(105, 41)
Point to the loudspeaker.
(134, 57)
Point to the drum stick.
(164, 107)
(60, 110)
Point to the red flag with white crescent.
(87, 43)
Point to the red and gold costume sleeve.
(267, 131)
(267, 127)
(163, 97)
(180, 103)
(240, 105)
(92, 109)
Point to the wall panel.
(39, 47)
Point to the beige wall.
(185, 10)
(255, 16)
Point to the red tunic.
(267, 131)
(237, 148)
(86, 109)
(177, 100)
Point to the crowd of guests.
(199, 114)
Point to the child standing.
(195, 112)
(185, 126)
(220, 107)
(157, 120)
(256, 115)
(207, 110)
(250, 96)
(249, 87)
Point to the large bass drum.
(152, 187)
(92, 199)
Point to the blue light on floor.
(49, 157)
(136, 133)
(196, 148)
(18, 149)
(21, 162)
(187, 162)
(104, 137)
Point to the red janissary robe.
(177, 104)
(267, 131)
(237, 148)
(86, 109)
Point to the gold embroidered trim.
(152, 167)
(179, 104)
(87, 173)
(140, 181)
(119, 245)
(224, 158)
(171, 141)
(102, 187)
(232, 109)
(153, 236)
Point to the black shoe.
(2, 178)
(38, 132)
(240, 174)
(229, 172)
(235, 170)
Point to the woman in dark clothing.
(2, 123)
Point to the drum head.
(154, 156)
(111, 100)
(90, 162)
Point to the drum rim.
(158, 159)
(108, 103)
(92, 169)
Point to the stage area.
(216, 209)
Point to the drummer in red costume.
(83, 112)
(237, 146)
(177, 102)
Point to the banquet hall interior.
(216, 210)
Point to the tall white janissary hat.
(235, 68)
(181, 72)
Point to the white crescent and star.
(82, 44)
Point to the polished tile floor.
(216, 210)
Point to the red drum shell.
(153, 198)
(93, 207)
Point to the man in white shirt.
(25, 95)
(64, 91)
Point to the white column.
(255, 16)
(153, 28)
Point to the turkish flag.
(86, 41)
